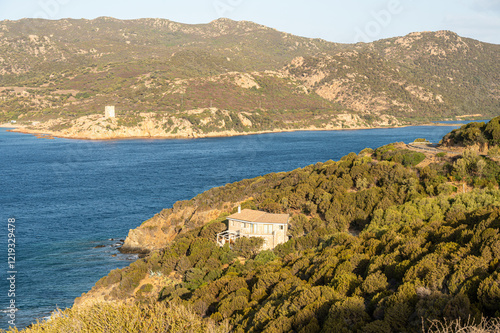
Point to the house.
(253, 223)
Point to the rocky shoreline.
(202, 123)
(143, 131)
(52, 134)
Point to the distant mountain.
(422, 75)
(69, 68)
(34, 47)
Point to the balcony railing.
(228, 236)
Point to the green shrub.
(374, 283)
(248, 247)
(441, 155)
(264, 257)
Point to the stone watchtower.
(109, 111)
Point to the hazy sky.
(333, 20)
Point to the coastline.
(194, 142)
(47, 134)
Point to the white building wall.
(109, 111)
(274, 237)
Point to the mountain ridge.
(67, 69)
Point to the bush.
(264, 257)
(248, 247)
(421, 140)
(441, 155)
(374, 283)
(412, 158)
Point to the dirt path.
(430, 150)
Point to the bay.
(73, 199)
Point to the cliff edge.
(157, 232)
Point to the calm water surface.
(72, 199)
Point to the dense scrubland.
(379, 243)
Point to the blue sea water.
(73, 199)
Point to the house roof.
(258, 216)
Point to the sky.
(333, 20)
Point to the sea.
(67, 204)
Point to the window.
(282, 227)
(245, 225)
(268, 229)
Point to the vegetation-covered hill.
(420, 76)
(378, 243)
(35, 46)
(475, 134)
(66, 69)
(69, 68)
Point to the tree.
(470, 165)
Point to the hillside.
(425, 75)
(381, 241)
(485, 137)
(68, 69)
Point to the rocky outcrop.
(157, 232)
(452, 146)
